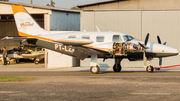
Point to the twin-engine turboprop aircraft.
(89, 44)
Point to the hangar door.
(8, 28)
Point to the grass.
(15, 79)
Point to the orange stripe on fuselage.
(18, 8)
(31, 36)
(75, 41)
(85, 42)
(66, 40)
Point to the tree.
(4, 0)
(75, 8)
(47, 5)
(52, 4)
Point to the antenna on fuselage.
(97, 28)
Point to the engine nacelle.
(124, 48)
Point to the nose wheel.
(149, 69)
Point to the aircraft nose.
(165, 50)
(174, 51)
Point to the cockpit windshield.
(127, 38)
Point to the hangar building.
(136, 18)
(49, 18)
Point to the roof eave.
(39, 6)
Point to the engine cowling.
(125, 48)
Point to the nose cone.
(174, 51)
(169, 51)
(164, 51)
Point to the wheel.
(36, 62)
(117, 68)
(17, 61)
(95, 69)
(8, 62)
(149, 69)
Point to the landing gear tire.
(8, 62)
(95, 69)
(17, 61)
(117, 68)
(149, 69)
(36, 62)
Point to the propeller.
(144, 49)
(160, 58)
(159, 40)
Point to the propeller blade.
(142, 45)
(164, 43)
(160, 61)
(159, 40)
(146, 40)
(145, 59)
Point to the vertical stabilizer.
(26, 25)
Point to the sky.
(59, 3)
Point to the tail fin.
(25, 24)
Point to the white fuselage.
(107, 45)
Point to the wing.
(74, 41)
(20, 39)
(71, 46)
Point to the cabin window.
(72, 36)
(117, 38)
(86, 37)
(100, 38)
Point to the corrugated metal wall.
(62, 21)
(164, 23)
(65, 21)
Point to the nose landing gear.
(149, 69)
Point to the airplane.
(25, 52)
(94, 45)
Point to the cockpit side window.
(127, 38)
(72, 36)
(117, 38)
(100, 39)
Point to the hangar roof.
(38, 6)
(97, 3)
(133, 5)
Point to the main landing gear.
(95, 69)
(117, 65)
(94, 66)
